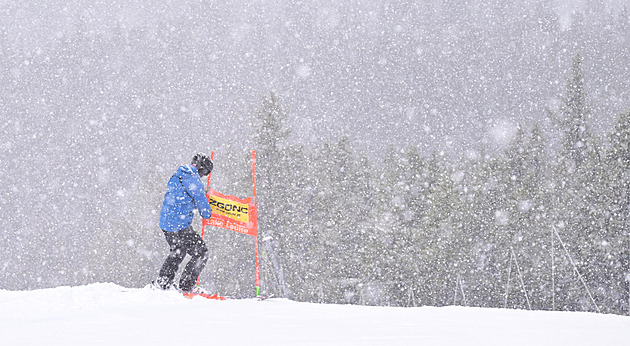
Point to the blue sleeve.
(194, 186)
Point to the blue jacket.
(184, 193)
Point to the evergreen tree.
(615, 245)
(340, 206)
(577, 179)
(293, 236)
(275, 187)
(443, 245)
(575, 114)
(484, 221)
(410, 251)
(528, 198)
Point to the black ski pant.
(183, 242)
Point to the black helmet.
(203, 164)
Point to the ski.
(191, 295)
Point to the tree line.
(541, 225)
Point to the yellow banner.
(229, 208)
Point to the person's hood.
(187, 171)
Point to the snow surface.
(108, 314)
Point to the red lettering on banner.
(232, 226)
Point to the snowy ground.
(107, 314)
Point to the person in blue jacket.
(184, 193)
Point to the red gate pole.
(256, 224)
(203, 224)
(207, 188)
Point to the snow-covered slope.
(107, 314)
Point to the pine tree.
(270, 135)
(616, 244)
(527, 183)
(410, 249)
(574, 116)
(484, 222)
(443, 245)
(339, 208)
(578, 179)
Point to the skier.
(184, 194)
